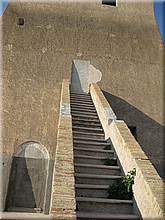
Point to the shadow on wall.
(149, 134)
(20, 193)
(76, 85)
(28, 176)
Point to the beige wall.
(122, 42)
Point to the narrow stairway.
(92, 177)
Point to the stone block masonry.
(63, 204)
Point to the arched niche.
(32, 149)
(28, 178)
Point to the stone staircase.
(92, 177)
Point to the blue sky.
(3, 4)
(159, 10)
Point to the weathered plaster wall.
(122, 42)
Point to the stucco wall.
(122, 42)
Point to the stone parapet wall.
(148, 187)
(63, 203)
(103, 108)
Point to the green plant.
(122, 189)
(109, 161)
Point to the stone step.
(97, 121)
(85, 134)
(89, 159)
(97, 169)
(79, 102)
(94, 179)
(93, 152)
(97, 215)
(88, 190)
(84, 110)
(86, 124)
(81, 99)
(79, 94)
(89, 146)
(90, 139)
(101, 147)
(83, 113)
(84, 116)
(102, 205)
(91, 143)
(86, 129)
(81, 105)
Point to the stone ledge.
(63, 203)
(104, 110)
(148, 187)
